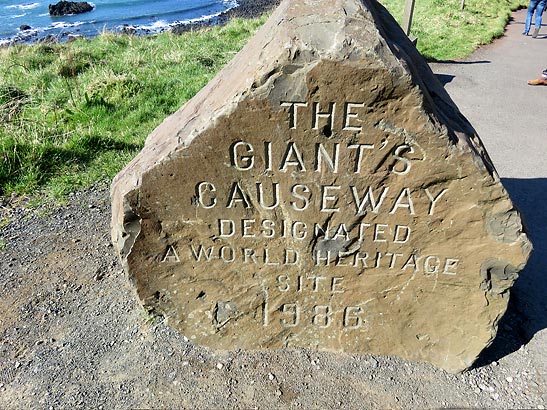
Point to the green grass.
(74, 114)
(447, 32)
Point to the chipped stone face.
(322, 191)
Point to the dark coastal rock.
(252, 8)
(64, 8)
(184, 27)
(25, 27)
(49, 39)
(129, 30)
(245, 9)
(73, 37)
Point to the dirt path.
(73, 336)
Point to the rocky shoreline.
(246, 9)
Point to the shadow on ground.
(445, 78)
(458, 62)
(526, 313)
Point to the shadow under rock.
(526, 312)
(445, 78)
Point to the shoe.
(536, 32)
(524, 33)
(538, 81)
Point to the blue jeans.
(538, 6)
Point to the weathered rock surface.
(64, 8)
(322, 191)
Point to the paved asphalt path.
(490, 88)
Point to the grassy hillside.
(73, 114)
(445, 31)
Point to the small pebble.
(271, 376)
(219, 366)
(509, 379)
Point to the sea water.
(145, 16)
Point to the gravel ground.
(72, 335)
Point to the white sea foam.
(62, 24)
(25, 6)
(157, 25)
(18, 15)
(162, 25)
(232, 4)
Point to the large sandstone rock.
(322, 191)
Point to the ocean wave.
(232, 4)
(25, 6)
(157, 26)
(62, 24)
(18, 15)
(161, 25)
(167, 13)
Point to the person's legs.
(539, 12)
(531, 8)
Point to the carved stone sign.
(322, 191)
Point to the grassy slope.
(73, 114)
(445, 31)
(76, 113)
